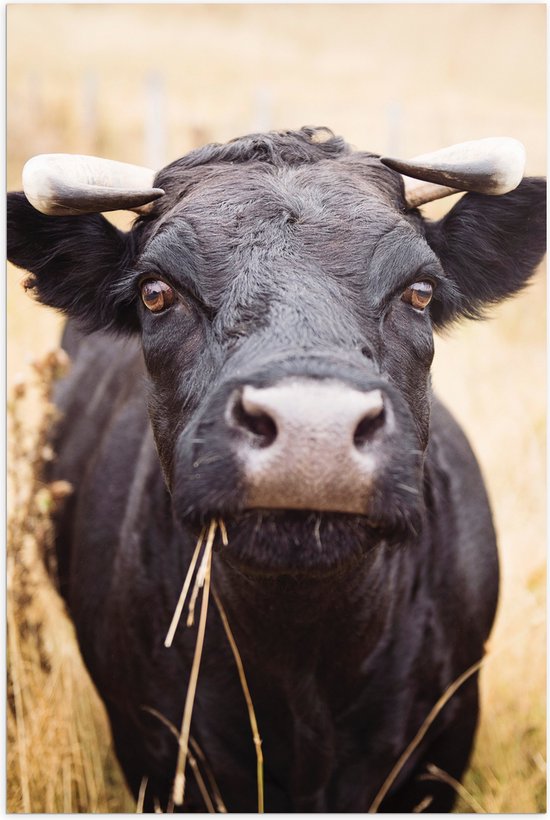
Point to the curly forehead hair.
(271, 152)
(306, 146)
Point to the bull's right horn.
(71, 184)
(491, 166)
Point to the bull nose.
(309, 444)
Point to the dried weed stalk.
(203, 581)
(249, 705)
(451, 690)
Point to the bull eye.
(418, 295)
(157, 295)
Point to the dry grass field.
(145, 84)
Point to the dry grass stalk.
(179, 780)
(201, 574)
(141, 795)
(194, 766)
(203, 580)
(223, 531)
(417, 739)
(183, 594)
(220, 805)
(200, 782)
(435, 710)
(435, 773)
(249, 705)
(427, 801)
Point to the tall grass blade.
(223, 531)
(435, 773)
(435, 710)
(417, 739)
(249, 705)
(201, 573)
(179, 780)
(220, 805)
(184, 590)
(194, 765)
(141, 794)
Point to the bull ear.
(489, 246)
(75, 262)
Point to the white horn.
(492, 166)
(71, 184)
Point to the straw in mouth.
(203, 579)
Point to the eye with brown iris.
(418, 295)
(157, 295)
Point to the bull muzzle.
(309, 444)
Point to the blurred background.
(146, 83)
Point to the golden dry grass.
(389, 78)
(59, 756)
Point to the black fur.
(76, 261)
(289, 254)
(488, 247)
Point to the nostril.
(366, 352)
(369, 425)
(259, 424)
(262, 426)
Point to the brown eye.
(419, 295)
(157, 295)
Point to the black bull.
(260, 348)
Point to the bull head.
(66, 184)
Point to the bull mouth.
(267, 541)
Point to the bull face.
(289, 344)
(285, 299)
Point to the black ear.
(76, 262)
(489, 246)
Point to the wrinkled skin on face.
(279, 272)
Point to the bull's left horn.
(72, 184)
(491, 166)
